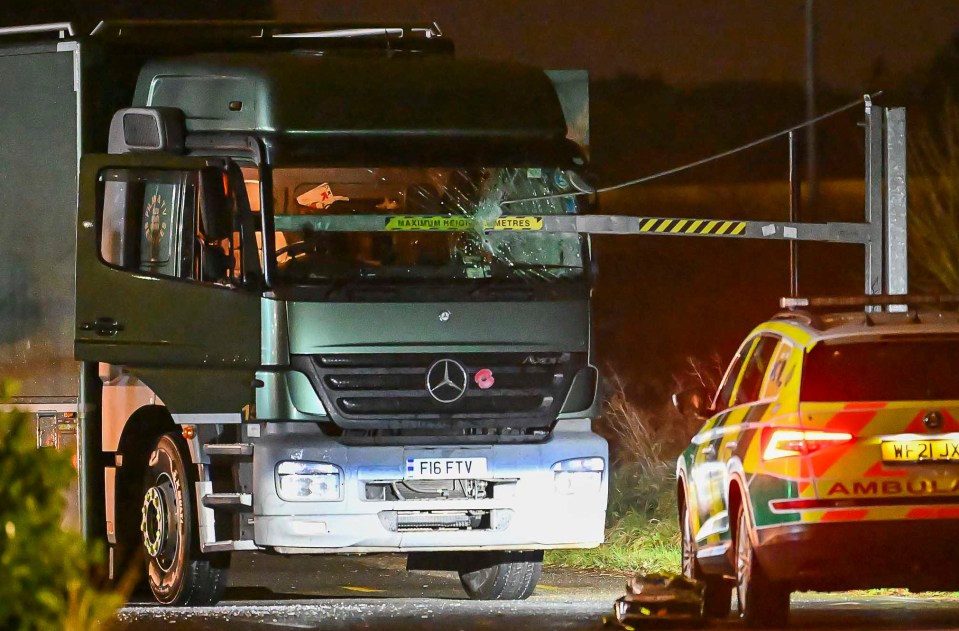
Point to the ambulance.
(829, 457)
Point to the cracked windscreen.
(498, 239)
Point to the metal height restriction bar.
(836, 232)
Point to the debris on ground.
(658, 599)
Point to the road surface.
(376, 592)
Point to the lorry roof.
(326, 97)
(205, 35)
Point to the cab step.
(228, 449)
(229, 546)
(237, 501)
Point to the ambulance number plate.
(915, 451)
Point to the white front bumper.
(529, 514)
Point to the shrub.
(645, 436)
(46, 571)
(934, 203)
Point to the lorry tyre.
(176, 571)
(762, 602)
(717, 599)
(501, 575)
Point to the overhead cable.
(725, 154)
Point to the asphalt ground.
(376, 592)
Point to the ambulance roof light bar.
(833, 302)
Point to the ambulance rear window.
(913, 369)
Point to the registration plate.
(935, 450)
(445, 468)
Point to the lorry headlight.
(578, 475)
(299, 481)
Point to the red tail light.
(783, 443)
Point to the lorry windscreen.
(470, 197)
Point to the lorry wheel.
(762, 602)
(501, 575)
(176, 572)
(717, 598)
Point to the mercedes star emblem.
(445, 316)
(446, 380)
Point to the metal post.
(874, 198)
(794, 200)
(812, 177)
(896, 206)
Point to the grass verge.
(642, 533)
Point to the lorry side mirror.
(147, 130)
(215, 216)
(693, 401)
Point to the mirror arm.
(250, 264)
(267, 227)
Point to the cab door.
(144, 300)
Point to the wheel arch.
(682, 502)
(139, 434)
(141, 431)
(738, 496)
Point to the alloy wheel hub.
(154, 521)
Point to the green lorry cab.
(286, 285)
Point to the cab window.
(169, 223)
(755, 371)
(147, 221)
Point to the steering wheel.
(300, 247)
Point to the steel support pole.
(874, 198)
(795, 192)
(896, 203)
(812, 175)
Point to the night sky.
(683, 41)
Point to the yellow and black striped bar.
(700, 227)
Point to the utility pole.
(811, 168)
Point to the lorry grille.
(400, 521)
(527, 387)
